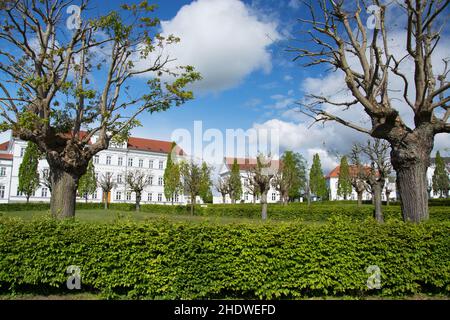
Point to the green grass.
(114, 216)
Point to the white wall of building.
(106, 161)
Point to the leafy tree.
(88, 182)
(191, 174)
(235, 182)
(344, 181)
(317, 183)
(441, 181)
(366, 62)
(205, 188)
(49, 98)
(290, 177)
(107, 183)
(299, 183)
(28, 171)
(137, 180)
(172, 177)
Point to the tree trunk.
(64, 192)
(387, 198)
(360, 196)
(264, 205)
(223, 198)
(410, 158)
(378, 213)
(106, 200)
(28, 199)
(138, 201)
(192, 204)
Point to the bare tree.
(223, 187)
(335, 42)
(261, 176)
(46, 95)
(251, 187)
(358, 174)
(136, 181)
(376, 153)
(107, 183)
(281, 185)
(46, 181)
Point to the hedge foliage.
(315, 212)
(163, 260)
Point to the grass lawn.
(114, 216)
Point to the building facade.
(135, 154)
(332, 182)
(245, 165)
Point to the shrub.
(164, 260)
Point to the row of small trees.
(188, 177)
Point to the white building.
(245, 164)
(135, 154)
(332, 183)
(430, 173)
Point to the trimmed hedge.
(162, 260)
(316, 212)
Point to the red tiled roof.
(352, 170)
(6, 156)
(4, 146)
(152, 145)
(246, 164)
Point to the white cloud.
(287, 78)
(294, 4)
(223, 39)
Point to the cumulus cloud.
(223, 39)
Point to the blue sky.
(250, 80)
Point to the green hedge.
(315, 212)
(163, 260)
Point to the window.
(159, 197)
(44, 192)
(2, 171)
(2, 192)
(120, 161)
(96, 176)
(177, 197)
(96, 159)
(149, 196)
(130, 162)
(108, 160)
(118, 195)
(45, 172)
(19, 194)
(141, 163)
(161, 164)
(274, 196)
(160, 181)
(150, 164)
(22, 151)
(150, 181)
(128, 195)
(246, 197)
(94, 195)
(119, 178)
